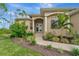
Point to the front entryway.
(39, 25)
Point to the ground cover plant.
(75, 52)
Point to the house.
(41, 23)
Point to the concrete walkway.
(63, 46)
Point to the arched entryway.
(38, 24)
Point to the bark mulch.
(38, 48)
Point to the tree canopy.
(3, 6)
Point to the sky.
(32, 8)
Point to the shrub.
(29, 34)
(48, 36)
(49, 47)
(55, 39)
(76, 41)
(29, 38)
(75, 52)
(64, 40)
(18, 30)
(33, 42)
(76, 35)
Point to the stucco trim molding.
(37, 18)
(48, 14)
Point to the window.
(54, 22)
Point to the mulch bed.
(38, 48)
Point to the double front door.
(39, 27)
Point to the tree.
(3, 10)
(3, 6)
(21, 12)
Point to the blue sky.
(33, 8)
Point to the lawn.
(8, 48)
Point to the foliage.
(75, 51)
(62, 21)
(29, 38)
(29, 34)
(3, 9)
(75, 38)
(49, 47)
(18, 30)
(3, 6)
(21, 12)
(48, 36)
(64, 40)
(5, 20)
(76, 35)
(75, 41)
(55, 39)
(33, 42)
(51, 37)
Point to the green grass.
(8, 48)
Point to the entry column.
(45, 24)
(33, 25)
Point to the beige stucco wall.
(19, 21)
(75, 22)
(27, 23)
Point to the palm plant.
(21, 12)
(63, 23)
